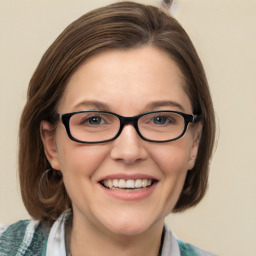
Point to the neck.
(85, 240)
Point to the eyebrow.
(103, 106)
(93, 104)
(165, 103)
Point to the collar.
(56, 241)
(170, 244)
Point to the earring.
(49, 178)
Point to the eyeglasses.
(95, 126)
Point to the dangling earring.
(45, 183)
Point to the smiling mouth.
(127, 185)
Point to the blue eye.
(160, 120)
(95, 120)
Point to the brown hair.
(122, 25)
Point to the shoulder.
(23, 238)
(172, 246)
(187, 249)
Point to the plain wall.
(224, 33)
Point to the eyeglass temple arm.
(196, 118)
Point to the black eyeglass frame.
(65, 118)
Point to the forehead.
(126, 78)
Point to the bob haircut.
(124, 25)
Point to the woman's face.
(128, 83)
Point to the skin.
(127, 82)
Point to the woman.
(117, 132)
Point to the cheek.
(172, 158)
(173, 161)
(79, 164)
(80, 159)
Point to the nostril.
(128, 147)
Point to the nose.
(128, 147)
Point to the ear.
(50, 149)
(194, 148)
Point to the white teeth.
(122, 183)
(144, 183)
(115, 183)
(109, 183)
(137, 183)
(130, 183)
(127, 184)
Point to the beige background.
(224, 32)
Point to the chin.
(130, 227)
(129, 230)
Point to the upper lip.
(128, 177)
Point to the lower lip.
(129, 195)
